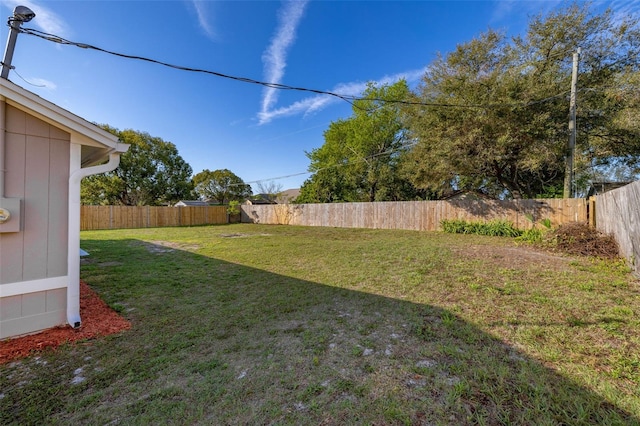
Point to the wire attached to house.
(25, 80)
(347, 98)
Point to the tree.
(271, 190)
(359, 158)
(151, 172)
(222, 186)
(495, 117)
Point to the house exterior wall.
(34, 260)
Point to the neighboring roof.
(262, 199)
(602, 187)
(290, 194)
(96, 142)
(283, 197)
(191, 203)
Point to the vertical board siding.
(418, 215)
(58, 238)
(618, 214)
(36, 208)
(12, 243)
(37, 173)
(127, 217)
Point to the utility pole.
(569, 184)
(20, 14)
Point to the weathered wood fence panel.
(417, 215)
(618, 213)
(126, 217)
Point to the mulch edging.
(98, 319)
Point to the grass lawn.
(251, 324)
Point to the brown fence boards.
(414, 215)
(618, 213)
(418, 215)
(126, 217)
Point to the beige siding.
(37, 163)
(36, 208)
(12, 244)
(57, 238)
(37, 172)
(27, 313)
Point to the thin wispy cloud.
(624, 9)
(316, 103)
(45, 19)
(202, 9)
(505, 10)
(275, 57)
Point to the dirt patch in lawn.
(159, 247)
(98, 319)
(560, 247)
(516, 257)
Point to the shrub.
(496, 228)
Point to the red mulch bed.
(98, 319)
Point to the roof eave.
(85, 132)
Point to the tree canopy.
(504, 130)
(151, 172)
(360, 157)
(492, 116)
(221, 186)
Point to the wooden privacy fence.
(121, 217)
(418, 215)
(618, 213)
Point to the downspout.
(73, 253)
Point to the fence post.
(591, 211)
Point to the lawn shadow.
(215, 342)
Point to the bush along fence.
(420, 215)
(618, 213)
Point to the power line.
(347, 98)
(333, 166)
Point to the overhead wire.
(279, 86)
(333, 166)
(347, 98)
(27, 81)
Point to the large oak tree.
(221, 186)
(151, 172)
(495, 113)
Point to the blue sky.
(256, 132)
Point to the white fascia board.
(85, 133)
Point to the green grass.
(251, 324)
